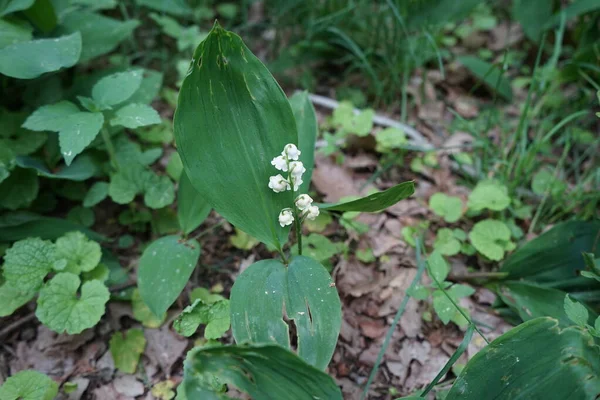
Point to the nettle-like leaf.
(229, 102)
(448, 207)
(135, 115)
(114, 89)
(12, 298)
(28, 385)
(489, 194)
(490, 238)
(214, 315)
(446, 243)
(134, 178)
(27, 263)
(576, 311)
(305, 287)
(126, 349)
(62, 309)
(80, 253)
(164, 269)
(28, 60)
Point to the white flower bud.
(311, 212)
(280, 163)
(291, 151)
(297, 169)
(286, 217)
(278, 183)
(303, 202)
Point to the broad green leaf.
(535, 360)
(62, 309)
(532, 15)
(51, 117)
(489, 194)
(11, 299)
(42, 15)
(446, 243)
(175, 7)
(232, 119)
(214, 315)
(142, 313)
(305, 288)
(81, 253)
(78, 132)
(28, 385)
(192, 209)
(126, 349)
(12, 33)
(116, 88)
(491, 75)
(437, 266)
(97, 193)
(306, 122)
(164, 269)
(28, 60)
(19, 189)
(21, 225)
(576, 311)
(11, 6)
(489, 237)
(27, 263)
(376, 201)
(99, 34)
(135, 115)
(265, 372)
(159, 191)
(448, 207)
(82, 168)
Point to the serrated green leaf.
(28, 385)
(116, 88)
(78, 132)
(576, 311)
(446, 243)
(62, 310)
(164, 269)
(135, 115)
(81, 254)
(376, 201)
(448, 207)
(489, 238)
(159, 191)
(12, 298)
(192, 209)
(27, 263)
(437, 266)
(229, 91)
(50, 117)
(28, 60)
(19, 189)
(142, 313)
(214, 315)
(489, 194)
(97, 193)
(126, 349)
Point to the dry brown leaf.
(333, 180)
(164, 347)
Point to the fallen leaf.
(164, 348)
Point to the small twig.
(16, 325)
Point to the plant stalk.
(110, 148)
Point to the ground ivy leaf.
(135, 115)
(159, 192)
(142, 313)
(120, 189)
(50, 117)
(448, 207)
(576, 311)
(446, 243)
(214, 315)
(489, 237)
(61, 309)
(489, 194)
(78, 132)
(96, 194)
(28, 385)
(116, 88)
(82, 254)
(27, 263)
(11, 299)
(126, 349)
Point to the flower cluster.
(288, 162)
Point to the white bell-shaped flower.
(311, 212)
(291, 151)
(297, 182)
(303, 202)
(280, 163)
(278, 183)
(297, 169)
(286, 217)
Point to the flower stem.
(110, 148)
(298, 230)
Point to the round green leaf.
(489, 237)
(448, 207)
(446, 243)
(81, 254)
(165, 267)
(28, 385)
(489, 194)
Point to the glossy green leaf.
(491, 75)
(265, 372)
(192, 209)
(142, 313)
(12, 33)
(376, 201)
(268, 290)
(28, 60)
(306, 122)
(116, 88)
(135, 115)
(50, 117)
(78, 132)
(42, 15)
(11, 6)
(29, 385)
(535, 360)
(82, 168)
(164, 269)
(232, 119)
